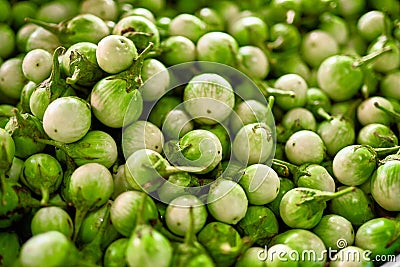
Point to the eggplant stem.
(368, 58)
(92, 251)
(51, 27)
(288, 166)
(190, 236)
(80, 215)
(392, 113)
(275, 44)
(267, 91)
(140, 218)
(325, 196)
(382, 151)
(135, 71)
(290, 16)
(321, 112)
(3, 188)
(55, 70)
(271, 102)
(45, 196)
(56, 144)
(168, 170)
(74, 78)
(18, 117)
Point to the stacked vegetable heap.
(199, 133)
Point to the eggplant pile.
(199, 133)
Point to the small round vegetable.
(385, 185)
(253, 62)
(79, 28)
(178, 212)
(90, 186)
(316, 99)
(251, 258)
(259, 224)
(147, 248)
(314, 176)
(67, 119)
(249, 111)
(9, 246)
(104, 9)
(37, 64)
(371, 25)
(379, 235)
(115, 53)
(97, 223)
(7, 153)
(201, 149)
(223, 135)
(139, 29)
(222, 242)
(249, 30)
(25, 129)
(209, 98)
(291, 82)
(217, 47)
(151, 177)
(114, 256)
(388, 85)
(95, 147)
(125, 208)
(299, 119)
(305, 147)
(12, 78)
(40, 38)
(353, 165)
(224, 194)
(142, 134)
(303, 207)
(84, 48)
(50, 89)
(368, 113)
(339, 78)
(355, 206)
(177, 123)
(301, 242)
(336, 26)
(253, 144)
(377, 135)
(317, 45)
(156, 79)
(7, 41)
(336, 132)
(261, 184)
(49, 249)
(177, 49)
(284, 37)
(160, 110)
(188, 26)
(115, 103)
(332, 229)
(42, 174)
(388, 61)
(52, 219)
